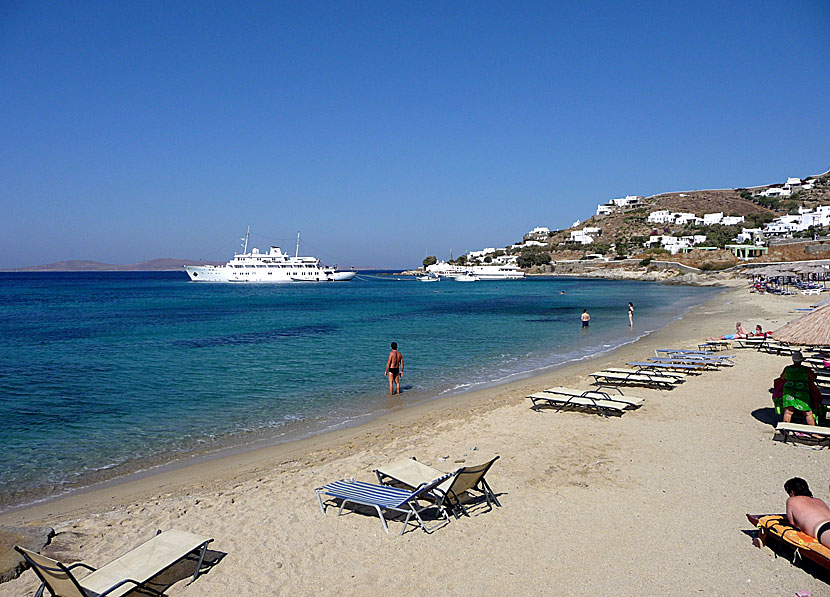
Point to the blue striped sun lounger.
(701, 353)
(691, 360)
(658, 367)
(384, 498)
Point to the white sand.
(649, 503)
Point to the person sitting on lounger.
(759, 332)
(740, 331)
(795, 389)
(804, 511)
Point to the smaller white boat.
(467, 278)
(428, 278)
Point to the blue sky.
(382, 130)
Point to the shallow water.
(103, 373)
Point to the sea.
(104, 375)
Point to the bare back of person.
(394, 368)
(810, 515)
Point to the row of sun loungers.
(405, 485)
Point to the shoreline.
(234, 446)
(666, 485)
(225, 460)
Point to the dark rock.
(32, 538)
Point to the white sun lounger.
(675, 375)
(802, 433)
(122, 575)
(630, 400)
(608, 377)
(591, 399)
(449, 495)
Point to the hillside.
(153, 265)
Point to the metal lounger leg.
(201, 559)
(320, 500)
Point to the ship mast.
(297, 251)
(245, 240)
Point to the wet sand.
(649, 502)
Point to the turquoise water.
(105, 373)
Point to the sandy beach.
(648, 503)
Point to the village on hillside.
(709, 230)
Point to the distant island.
(82, 265)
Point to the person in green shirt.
(796, 390)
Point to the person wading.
(394, 368)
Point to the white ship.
(483, 272)
(273, 267)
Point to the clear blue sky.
(381, 130)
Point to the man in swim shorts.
(585, 318)
(394, 368)
(809, 514)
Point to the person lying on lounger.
(740, 332)
(804, 511)
(796, 389)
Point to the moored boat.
(273, 267)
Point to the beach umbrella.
(812, 329)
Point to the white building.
(732, 220)
(776, 192)
(793, 184)
(604, 210)
(749, 234)
(663, 216)
(577, 236)
(627, 201)
(710, 219)
(481, 254)
(538, 232)
(682, 218)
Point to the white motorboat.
(428, 278)
(273, 267)
(483, 272)
(467, 278)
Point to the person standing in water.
(585, 318)
(394, 368)
(630, 314)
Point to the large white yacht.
(482, 272)
(271, 267)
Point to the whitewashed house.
(627, 201)
(732, 220)
(481, 254)
(604, 210)
(776, 192)
(538, 233)
(683, 218)
(663, 216)
(793, 184)
(714, 218)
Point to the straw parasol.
(813, 329)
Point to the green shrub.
(645, 262)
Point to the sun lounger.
(705, 362)
(776, 527)
(777, 348)
(676, 375)
(809, 434)
(411, 473)
(663, 367)
(589, 400)
(611, 378)
(715, 345)
(756, 343)
(693, 353)
(122, 575)
(383, 497)
(620, 397)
